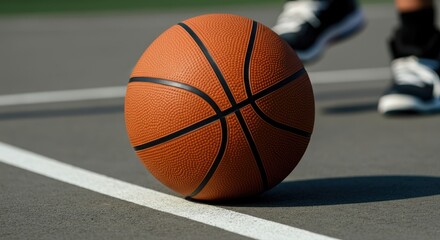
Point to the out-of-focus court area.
(63, 71)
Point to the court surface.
(364, 176)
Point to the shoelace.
(296, 13)
(410, 71)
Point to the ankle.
(428, 48)
(417, 27)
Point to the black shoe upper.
(423, 93)
(430, 49)
(427, 55)
(335, 11)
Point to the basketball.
(219, 107)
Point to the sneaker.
(415, 87)
(310, 25)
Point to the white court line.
(350, 75)
(323, 77)
(63, 96)
(228, 220)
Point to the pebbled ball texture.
(219, 107)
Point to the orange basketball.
(219, 107)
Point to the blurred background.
(54, 6)
(363, 176)
(51, 45)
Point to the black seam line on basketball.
(249, 91)
(211, 61)
(247, 60)
(240, 117)
(274, 123)
(217, 160)
(217, 116)
(211, 102)
(278, 85)
(183, 86)
(254, 149)
(188, 88)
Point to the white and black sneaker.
(415, 87)
(310, 25)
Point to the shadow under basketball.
(344, 190)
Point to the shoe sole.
(350, 25)
(400, 103)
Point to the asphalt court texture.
(364, 176)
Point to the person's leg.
(309, 25)
(416, 29)
(412, 5)
(415, 50)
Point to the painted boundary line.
(350, 75)
(62, 96)
(317, 78)
(228, 220)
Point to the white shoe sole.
(348, 26)
(393, 103)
